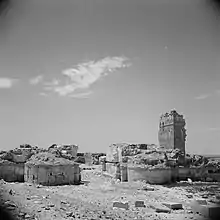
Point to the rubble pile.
(133, 149)
(65, 151)
(48, 158)
(21, 154)
(96, 156)
(4, 155)
(157, 156)
(214, 165)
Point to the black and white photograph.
(109, 109)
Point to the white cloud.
(36, 80)
(43, 94)
(202, 96)
(214, 129)
(81, 95)
(86, 74)
(54, 82)
(6, 83)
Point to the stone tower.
(172, 132)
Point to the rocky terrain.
(94, 198)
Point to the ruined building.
(172, 132)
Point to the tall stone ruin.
(172, 132)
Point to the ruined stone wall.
(166, 137)
(52, 174)
(154, 176)
(12, 172)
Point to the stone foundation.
(12, 172)
(154, 176)
(52, 174)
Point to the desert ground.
(93, 199)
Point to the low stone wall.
(52, 174)
(12, 172)
(194, 173)
(214, 176)
(154, 176)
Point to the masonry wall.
(179, 139)
(12, 172)
(155, 176)
(52, 174)
(172, 132)
(166, 137)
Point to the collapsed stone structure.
(47, 169)
(65, 151)
(51, 166)
(160, 164)
(11, 172)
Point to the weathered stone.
(189, 196)
(63, 202)
(173, 205)
(9, 203)
(27, 216)
(160, 208)
(148, 188)
(207, 210)
(122, 205)
(139, 204)
(69, 214)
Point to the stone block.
(201, 201)
(160, 208)
(148, 188)
(122, 205)
(173, 205)
(139, 204)
(207, 210)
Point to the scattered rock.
(148, 188)
(9, 203)
(27, 216)
(189, 181)
(69, 214)
(21, 214)
(173, 205)
(63, 202)
(159, 208)
(139, 204)
(11, 192)
(63, 208)
(122, 205)
(205, 196)
(189, 196)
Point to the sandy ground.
(93, 199)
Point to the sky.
(98, 72)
